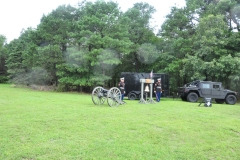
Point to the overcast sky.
(16, 15)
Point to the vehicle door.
(216, 90)
(206, 89)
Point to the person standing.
(158, 89)
(121, 86)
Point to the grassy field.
(50, 125)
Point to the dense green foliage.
(201, 42)
(3, 57)
(81, 47)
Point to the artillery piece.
(113, 96)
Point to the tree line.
(91, 44)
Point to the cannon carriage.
(113, 96)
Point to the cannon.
(113, 96)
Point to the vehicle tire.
(231, 99)
(220, 101)
(132, 96)
(192, 97)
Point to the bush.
(3, 79)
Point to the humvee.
(207, 89)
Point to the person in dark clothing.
(158, 89)
(121, 86)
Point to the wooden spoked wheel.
(98, 97)
(114, 97)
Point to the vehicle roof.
(210, 82)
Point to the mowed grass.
(50, 125)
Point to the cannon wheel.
(114, 97)
(97, 96)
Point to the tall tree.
(177, 34)
(14, 62)
(54, 31)
(3, 57)
(140, 32)
(100, 39)
(199, 43)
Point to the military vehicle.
(207, 89)
(133, 85)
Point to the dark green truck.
(207, 89)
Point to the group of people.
(157, 88)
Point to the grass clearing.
(51, 125)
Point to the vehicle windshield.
(194, 83)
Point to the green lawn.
(50, 125)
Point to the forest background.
(78, 48)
